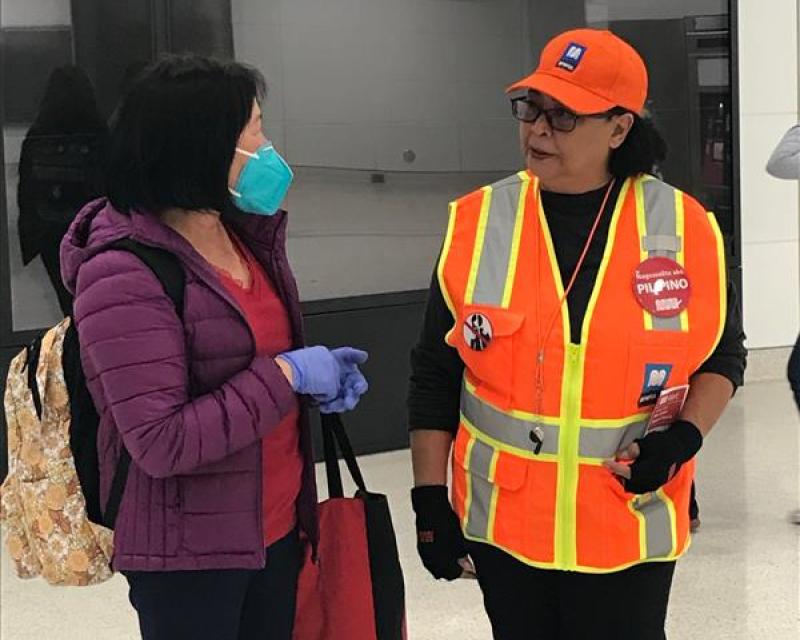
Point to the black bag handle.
(333, 434)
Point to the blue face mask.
(263, 182)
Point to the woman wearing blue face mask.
(210, 400)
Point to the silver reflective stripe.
(605, 442)
(496, 254)
(661, 221)
(658, 524)
(659, 214)
(669, 244)
(667, 324)
(480, 466)
(511, 431)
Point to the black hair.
(69, 105)
(643, 150)
(174, 134)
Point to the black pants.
(227, 604)
(794, 371)
(525, 603)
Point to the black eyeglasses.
(559, 118)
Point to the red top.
(282, 461)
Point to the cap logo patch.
(572, 56)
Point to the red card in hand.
(669, 405)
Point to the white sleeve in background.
(785, 160)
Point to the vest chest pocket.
(653, 368)
(484, 337)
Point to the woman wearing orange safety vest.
(580, 341)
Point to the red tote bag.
(355, 590)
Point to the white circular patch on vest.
(478, 332)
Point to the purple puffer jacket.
(189, 399)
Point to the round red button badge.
(662, 287)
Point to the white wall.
(652, 9)
(354, 83)
(35, 13)
(768, 55)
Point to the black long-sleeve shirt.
(437, 369)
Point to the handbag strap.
(333, 434)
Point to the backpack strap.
(32, 353)
(164, 264)
(167, 268)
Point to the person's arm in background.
(785, 160)
(434, 408)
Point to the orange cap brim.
(578, 99)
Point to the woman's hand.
(352, 383)
(332, 378)
(440, 542)
(656, 458)
(313, 371)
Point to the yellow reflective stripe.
(493, 465)
(680, 226)
(477, 434)
(673, 521)
(592, 462)
(601, 273)
(477, 251)
(448, 243)
(579, 567)
(515, 242)
(723, 282)
(680, 232)
(571, 402)
(567, 481)
(621, 567)
(515, 413)
(468, 496)
(495, 492)
(615, 423)
(642, 529)
(658, 529)
(551, 254)
(567, 489)
(515, 554)
(641, 225)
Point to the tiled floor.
(739, 581)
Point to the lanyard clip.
(537, 437)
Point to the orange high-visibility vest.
(559, 508)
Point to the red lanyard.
(551, 323)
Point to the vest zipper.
(568, 460)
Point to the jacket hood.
(97, 226)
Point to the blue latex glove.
(315, 372)
(352, 384)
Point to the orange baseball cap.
(590, 71)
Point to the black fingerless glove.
(440, 542)
(661, 455)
